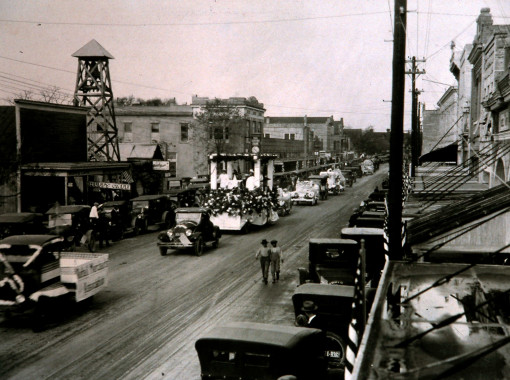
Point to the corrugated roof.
(92, 50)
(458, 214)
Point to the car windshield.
(140, 205)
(188, 217)
(59, 220)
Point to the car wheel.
(245, 229)
(199, 246)
(162, 251)
(335, 350)
(136, 230)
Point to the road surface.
(145, 323)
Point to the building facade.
(490, 129)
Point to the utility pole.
(397, 132)
(415, 131)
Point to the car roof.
(149, 197)
(333, 241)
(113, 203)
(325, 290)
(362, 231)
(258, 333)
(191, 209)
(28, 239)
(69, 209)
(19, 217)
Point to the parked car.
(72, 222)
(306, 192)
(193, 229)
(21, 223)
(118, 215)
(259, 351)
(334, 313)
(151, 210)
(330, 261)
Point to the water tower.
(94, 90)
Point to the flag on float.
(357, 325)
(386, 240)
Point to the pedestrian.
(263, 255)
(310, 319)
(276, 255)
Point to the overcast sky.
(313, 57)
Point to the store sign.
(161, 165)
(110, 185)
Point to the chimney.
(484, 21)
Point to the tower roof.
(92, 50)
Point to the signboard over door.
(161, 165)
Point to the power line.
(40, 23)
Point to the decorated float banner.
(241, 201)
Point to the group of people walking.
(270, 257)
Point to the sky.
(297, 57)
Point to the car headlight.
(170, 233)
(188, 232)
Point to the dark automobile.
(350, 177)
(193, 229)
(118, 216)
(356, 169)
(258, 351)
(333, 315)
(72, 222)
(330, 261)
(374, 246)
(150, 210)
(21, 223)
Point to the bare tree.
(219, 128)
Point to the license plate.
(333, 354)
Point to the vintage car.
(259, 351)
(373, 239)
(118, 215)
(322, 182)
(35, 274)
(306, 192)
(330, 261)
(21, 223)
(193, 229)
(350, 177)
(151, 210)
(72, 222)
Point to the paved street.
(145, 323)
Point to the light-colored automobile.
(306, 192)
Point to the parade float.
(335, 179)
(234, 207)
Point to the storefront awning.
(445, 154)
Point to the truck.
(36, 274)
